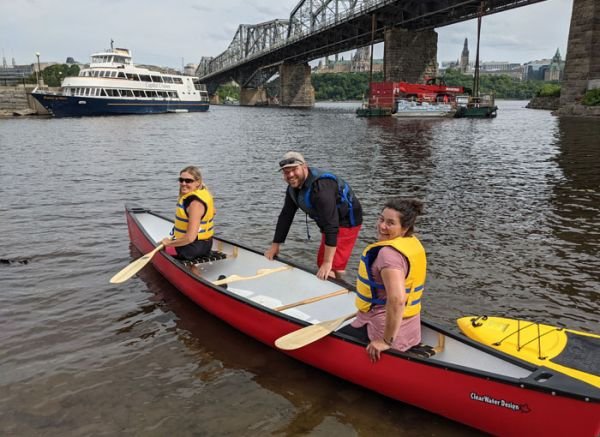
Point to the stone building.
(546, 69)
(359, 62)
(464, 58)
(555, 70)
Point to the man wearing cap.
(328, 200)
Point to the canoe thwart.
(259, 274)
(312, 299)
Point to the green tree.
(591, 97)
(54, 74)
(342, 86)
(229, 91)
(549, 90)
(504, 86)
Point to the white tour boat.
(112, 85)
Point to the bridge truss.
(318, 28)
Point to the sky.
(179, 32)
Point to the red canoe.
(463, 380)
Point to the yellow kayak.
(574, 353)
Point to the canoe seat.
(422, 350)
(214, 255)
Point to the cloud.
(162, 33)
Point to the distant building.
(360, 62)
(543, 69)
(464, 57)
(190, 69)
(556, 68)
(546, 69)
(14, 74)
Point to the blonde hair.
(194, 171)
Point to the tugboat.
(114, 85)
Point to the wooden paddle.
(312, 299)
(310, 334)
(135, 266)
(259, 273)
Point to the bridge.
(319, 28)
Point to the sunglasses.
(290, 161)
(186, 180)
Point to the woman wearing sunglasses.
(191, 236)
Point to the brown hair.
(194, 171)
(408, 209)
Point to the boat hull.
(412, 109)
(373, 112)
(75, 106)
(423, 114)
(476, 112)
(501, 406)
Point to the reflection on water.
(511, 228)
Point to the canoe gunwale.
(566, 386)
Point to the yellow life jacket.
(366, 287)
(206, 222)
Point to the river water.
(511, 229)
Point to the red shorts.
(345, 243)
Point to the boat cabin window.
(103, 92)
(121, 75)
(177, 80)
(168, 79)
(138, 93)
(145, 78)
(126, 93)
(99, 59)
(156, 78)
(173, 94)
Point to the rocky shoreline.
(550, 103)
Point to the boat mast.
(371, 60)
(372, 39)
(476, 75)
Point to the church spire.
(464, 57)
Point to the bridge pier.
(296, 89)
(410, 56)
(582, 69)
(253, 96)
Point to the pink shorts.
(345, 243)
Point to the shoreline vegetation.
(355, 86)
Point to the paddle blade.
(310, 334)
(134, 267)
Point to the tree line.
(355, 86)
(54, 74)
